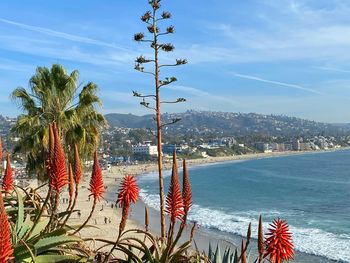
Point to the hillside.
(228, 123)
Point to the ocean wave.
(308, 240)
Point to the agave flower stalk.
(153, 66)
(7, 183)
(97, 189)
(6, 250)
(128, 193)
(279, 243)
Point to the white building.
(147, 149)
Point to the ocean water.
(310, 191)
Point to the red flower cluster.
(7, 183)
(186, 190)
(96, 183)
(70, 182)
(58, 173)
(174, 203)
(6, 251)
(128, 193)
(77, 165)
(1, 150)
(279, 244)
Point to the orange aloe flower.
(279, 244)
(96, 182)
(6, 251)
(77, 165)
(1, 151)
(7, 182)
(174, 203)
(186, 189)
(71, 182)
(58, 173)
(128, 193)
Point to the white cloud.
(63, 35)
(278, 83)
(333, 69)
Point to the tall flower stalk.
(1, 149)
(152, 19)
(261, 246)
(7, 183)
(70, 186)
(128, 193)
(96, 189)
(186, 191)
(174, 202)
(187, 203)
(57, 173)
(6, 250)
(77, 173)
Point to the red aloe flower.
(71, 182)
(128, 193)
(186, 189)
(7, 183)
(58, 173)
(174, 204)
(96, 183)
(6, 251)
(1, 151)
(279, 244)
(77, 165)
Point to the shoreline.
(152, 167)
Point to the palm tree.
(55, 96)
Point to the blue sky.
(267, 56)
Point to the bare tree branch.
(146, 105)
(170, 123)
(175, 101)
(136, 94)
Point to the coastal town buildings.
(146, 149)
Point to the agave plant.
(31, 242)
